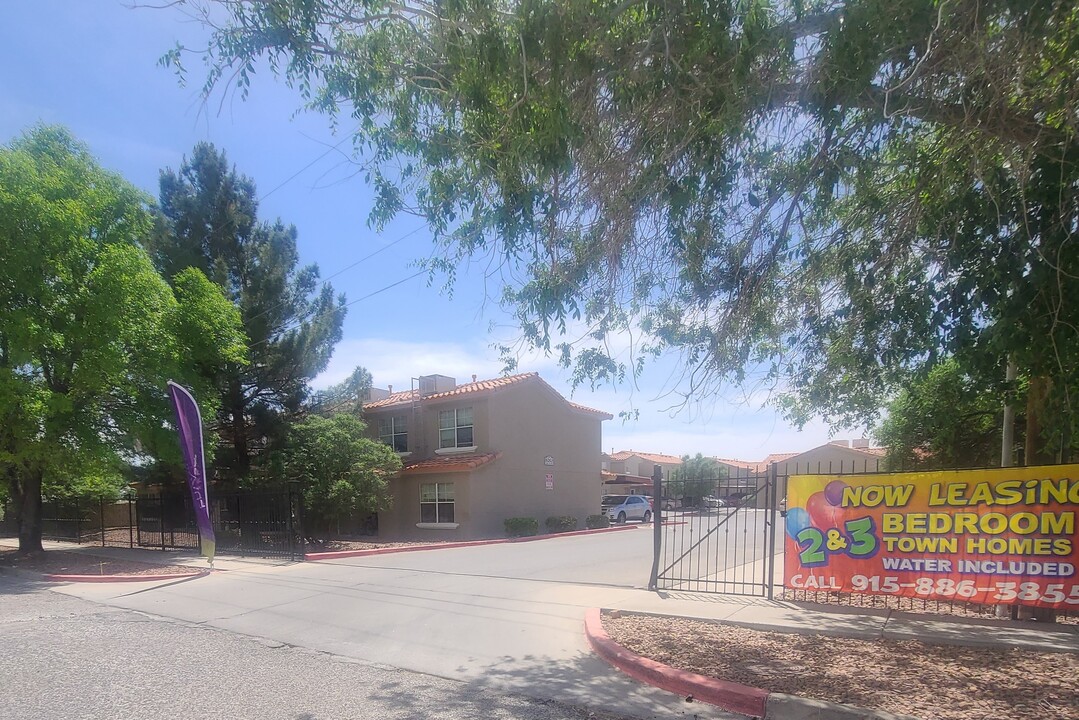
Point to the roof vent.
(860, 444)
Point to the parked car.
(619, 508)
(672, 503)
(783, 507)
(711, 502)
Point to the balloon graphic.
(797, 521)
(833, 492)
(823, 514)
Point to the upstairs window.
(394, 432)
(455, 428)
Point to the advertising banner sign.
(999, 536)
(189, 427)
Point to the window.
(394, 432)
(455, 428)
(436, 503)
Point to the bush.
(561, 523)
(593, 522)
(521, 526)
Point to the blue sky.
(91, 65)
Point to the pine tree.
(209, 220)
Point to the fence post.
(101, 519)
(130, 529)
(78, 523)
(161, 517)
(657, 524)
(772, 496)
(298, 521)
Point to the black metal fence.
(727, 535)
(264, 524)
(718, 534)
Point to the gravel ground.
(70, 563)
(906, 604)
(933, 682)
(334, 545)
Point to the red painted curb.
(123, 578)
(723, 693)
(333, 554)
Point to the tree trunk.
(30, 513)
(1037, 453)
(241, 458)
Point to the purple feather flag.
(189, 425)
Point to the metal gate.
(726, 535)
(718, 534)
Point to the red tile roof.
(651, 457)
(478, 388)
(449, 464)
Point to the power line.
(299, 172)
(348, 304)
(344, 269)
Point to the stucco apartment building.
(836, 457)
(478, 453)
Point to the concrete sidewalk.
(447, 613)
(751, 612)
(189, 558)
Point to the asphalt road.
(67, 658)
(504, 618)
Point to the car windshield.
(613, 499)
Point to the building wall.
(827, 460)
(399, 522)
(525, 423)
(529, 423)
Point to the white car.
(619, 508)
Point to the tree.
(944, 420)
(209, 221)
(834, 194)
(697, 477)
(89, 332)
(346, 396)
(342, 472)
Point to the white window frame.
(440, 522)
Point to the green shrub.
(561, 523)
(593, 522)
(521, 526)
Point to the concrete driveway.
(508, 617)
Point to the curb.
(122, 578)
(334, 554)
(727, 695)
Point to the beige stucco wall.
(525, 423)
(528, 423)
(827, 460)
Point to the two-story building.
(478, 453)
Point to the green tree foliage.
(837, 194)
(695, 478)
(944, 420)
(89, 332)
(343, 473)
(346, 396)
(208, 221)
